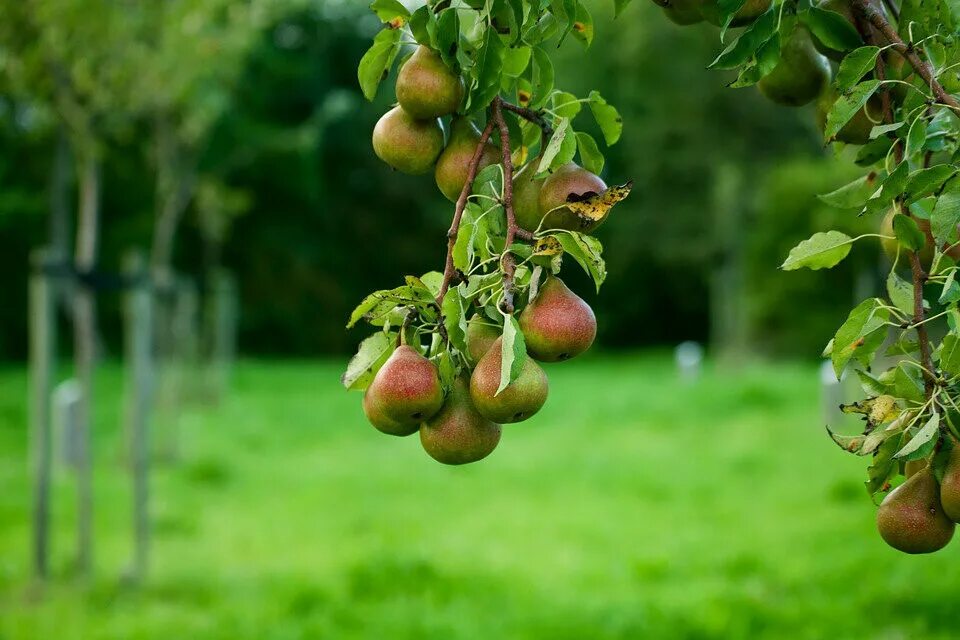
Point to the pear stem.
(507, 260)
(880, 23)
(877, 23)
(449, 271)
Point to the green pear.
(407, 144)
(458, 434)
(800, 75)
(405, 392)
(426, 87)
(889, 242)
(950, 486)
(681, 12)
(751, 9)
(911, 518)
(526, 196)
(858, 128)
(519, 400)
(454, 163)
(568, 183)
(557, 324)
(481, 334)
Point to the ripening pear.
(526, 196)
(750, 10)
(950, 486)
(926, 254)
(406, 144)
(681, 12)
(454, 163)
(557, 324)
(911, 518)
(568, 183)
(858, 128)
(481, 334)
(519, 400)
(426, 87)
(800, 75)
(405, 392)
(913, 467)
(458, 434)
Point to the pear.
(526, 196)
(569, 183)
(407, 144)
(405, 392)
(426, 87)
(926, 254)
(750, 10)
(557, 324)
(858, 128)
(913, 467)
(800, 75)
(519, 400)
(481, 334)
(911, 519)
(681, 12)
(453, 164)
(950, 486)
(458, 434)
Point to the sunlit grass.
(632, 506)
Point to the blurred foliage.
(311, 219)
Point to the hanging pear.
(481, 334)
(911, 518)
(519, 400)
(800, 75)
(458, 434)
(858, 128)
(526, 196)
(950, 486)
(407, 144)
(557, 324)
(454, 162)
(568, 183)
(426, 87)
(405, 392)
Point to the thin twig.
(508, 261)
(536, 117)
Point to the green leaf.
(946, 213)
(950, 354)
(454, 320)
(832, 29)
(370, 356)
(389, 10)
(916, 137)
(763, 62)
(853, 195)
(377, 61)
(590, 157)
(583, 25)
(421, 23)
(485, 74)
(860, 335)
(846, 106)
(900, 292)
(951, 290)
(908, 232)
(619, 6)
(922, 441)
(561, 148)
(820, 251)
(891, 189)
(746, 46)
(541, 78)
(854, 66)
(924, 182)
(907, 383)
(565, 105)
(516, 61)
(587, 251)
(513, 351)
(607, 117)
(884, 467)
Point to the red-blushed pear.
(426, 87)
(557, 324)
(453, 165)
(913, 467)
(801, 74)
(519, 400)
(911, 518)
(458, 434)
(751, 9)
(481, 334)
(405, 392)
(407, 144)
(681, 12)
(569, 183)
(950, 486)
(526, 196)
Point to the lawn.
(632, 506)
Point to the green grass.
(632, 506)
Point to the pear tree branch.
(536, 117)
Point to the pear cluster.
(921, 514)
(462, 424)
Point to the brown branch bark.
(880, 23)
(449, 271)
(536, 117)
(507, 260)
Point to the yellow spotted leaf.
(593, 210)
(548, 246)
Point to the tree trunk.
(85, 342)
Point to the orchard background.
(639, 502)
